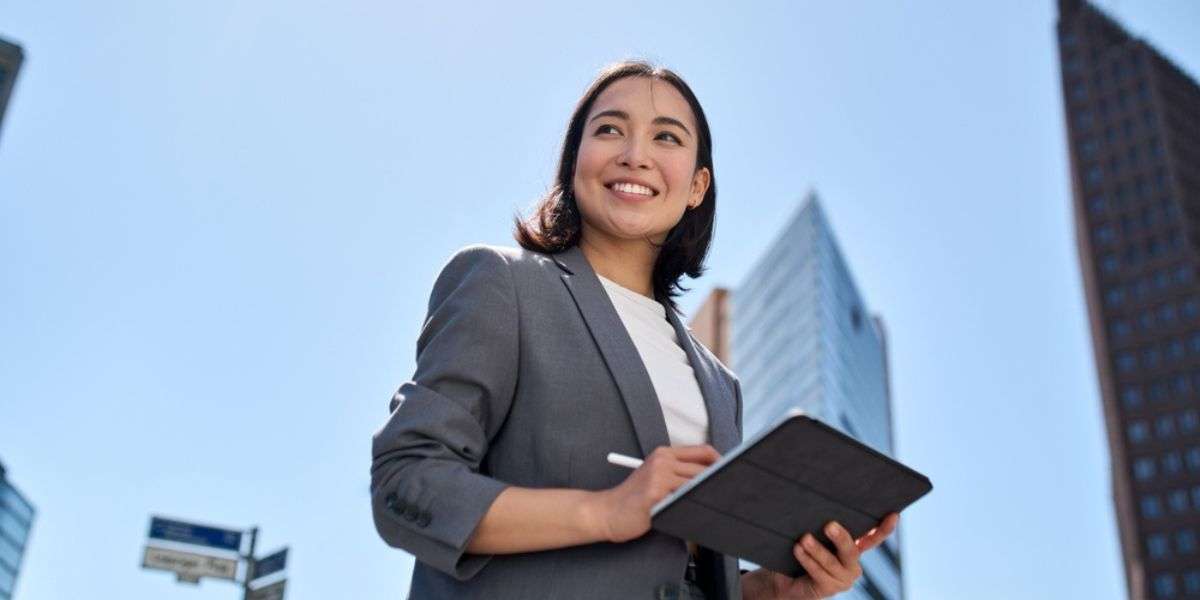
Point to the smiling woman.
(637, 130)
(535, 363)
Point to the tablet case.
(790, 479)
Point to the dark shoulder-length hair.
(556, 225)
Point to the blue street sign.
(200, 535)
(270, 564)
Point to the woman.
(535, 363)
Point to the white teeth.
(633, 188)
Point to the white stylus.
(624, 461)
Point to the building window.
(1156, 545)
(1180, 385)
(1151, 507)
(1139, 432)
(1143, 469)
(1094, 175)
(1161, 280)
(1164, 586)
(1131, 397)
(1167, 314)
(1109, 264)
(1185, 541)
(1164, 427)
(1196, 497)
(1114, 296)
(1189, 421)
(1126, 362)
(1146, 320)
(1088, 148)
(1190, 308)
(1172, 464)
(1178, 501)
(1158, 392)
(1193, 458)
(1191, 582)
(1175, 350)
(1105, 234)
(1120, 328)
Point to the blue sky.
(221, 221)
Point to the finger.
(689, 470)
(824, 556)
(847, 550)
(673, 483)
(702, 453)
(822, 579)
(880, 533)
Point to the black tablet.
(789, 479)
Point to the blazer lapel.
(722, 425)
(621, 356)
(626, 366)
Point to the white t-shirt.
(672, 375)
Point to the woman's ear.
(700, 182)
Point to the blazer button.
(424, 519)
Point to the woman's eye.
(603, 127)
(674, 137)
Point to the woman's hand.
(828, 574)
(623, 512)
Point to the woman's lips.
(628, 197)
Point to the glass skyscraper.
(801, 335)
(16, 517)
(11, 58)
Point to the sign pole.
(249, 564)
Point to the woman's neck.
(628, 263)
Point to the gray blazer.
(526, 376)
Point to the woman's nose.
(634, 155)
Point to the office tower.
(711, 323)
(1133, 129)
(10, 62)
(802, 336)
(16, 517)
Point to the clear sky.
(220, 222)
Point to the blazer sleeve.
(427, 492)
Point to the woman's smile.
(630, 191)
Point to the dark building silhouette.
(1133, 125)
(11, 57)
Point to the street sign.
(269, 592)
(270, 564)
(200, 535)
(188, 566)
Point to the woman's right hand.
(623, 512)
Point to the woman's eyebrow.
(660, 120)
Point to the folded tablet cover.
(791, 479)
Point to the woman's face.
(635, 172)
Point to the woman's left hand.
(828, 574)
